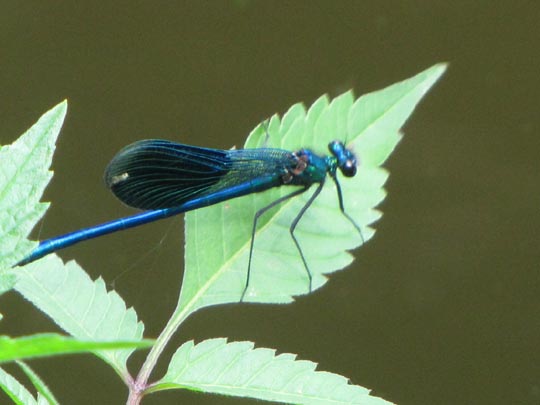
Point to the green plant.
(217, 244)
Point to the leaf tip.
(438, 69)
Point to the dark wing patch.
(154, 174)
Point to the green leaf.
(48, 344)
(41, 400)
(15, 390)
(80, 306)
(45, 396)
(238, 369)
(7, 282)
(218, 237)
(24, 175)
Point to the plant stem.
(137, 389)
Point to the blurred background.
(441, 307)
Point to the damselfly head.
(346, 161)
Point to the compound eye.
(349, 168)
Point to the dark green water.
(441, 307)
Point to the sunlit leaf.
(49, 344)
(80, 306)
(218, 237)
(15, 390)
(24, 175)
(239, 369)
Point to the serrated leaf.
(80, 306)
(49, 344)
(15, 390)
(45, 395)
(24, 175)
(218, 237)
(239, 369)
